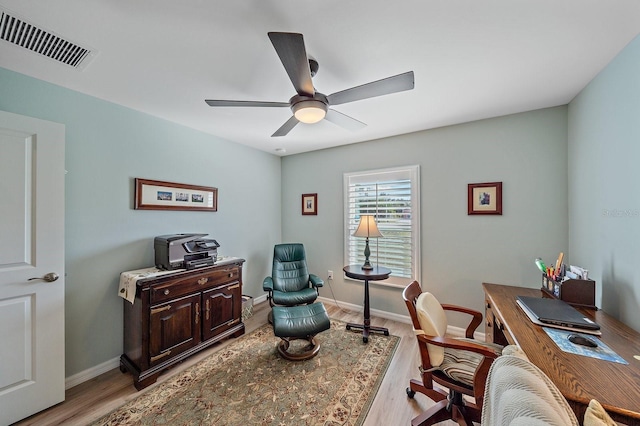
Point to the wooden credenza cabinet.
(178, 314)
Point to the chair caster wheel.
(365, 339)
(386, 333)
(410, 393)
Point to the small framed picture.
(310, 204)
(484, 198)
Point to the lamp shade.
(367, 228)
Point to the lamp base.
(367, 266)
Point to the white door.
(31, 246)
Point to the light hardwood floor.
(94, 398)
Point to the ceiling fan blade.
(293, 55)
(286, 127)
(343, 120)
(222, 103)
(397, 83)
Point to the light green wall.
(527, 152)
(107, 146)
(604, 183)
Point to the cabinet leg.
(141, 384)
(239, 332)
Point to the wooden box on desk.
(576, 292)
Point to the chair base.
(309, 352)
(447, 407)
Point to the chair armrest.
(316, 281)
(476, 319)
(482, 369)
(267, 284)
(447, 342)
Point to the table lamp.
(367, 228)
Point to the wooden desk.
(579, 378)
(378, 273)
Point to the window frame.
(411, 172)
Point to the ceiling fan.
(309, 106)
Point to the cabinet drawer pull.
(230, 274)
(162, 355)
(203, 281)
(164, 308)
(197, 313)
(233, 286)
(166, 292)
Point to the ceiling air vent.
(20, 32)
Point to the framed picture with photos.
(160, 195)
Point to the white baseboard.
(452, 330)
(99, 369)
(382, 314)
(90, 373)
(259, 299)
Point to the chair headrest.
(292, 252)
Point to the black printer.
(185, 251)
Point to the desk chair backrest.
(289, 270)
(433, 322)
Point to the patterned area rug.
(248, 383)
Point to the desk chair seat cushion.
(457, 364)
(519, 393)
(461, 365)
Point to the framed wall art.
(159, 195)
(309, 204)
(484, 198)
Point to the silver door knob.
(50, 277)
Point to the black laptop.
(556, 312)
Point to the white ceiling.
(472, 59)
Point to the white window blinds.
(392, 196)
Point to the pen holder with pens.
(576, 292)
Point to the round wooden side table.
(378, 273)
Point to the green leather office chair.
(290, 283)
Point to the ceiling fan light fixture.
(310, 111)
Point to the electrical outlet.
(330, 274)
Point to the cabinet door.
(222, 308)
(174, 327)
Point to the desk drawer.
(190, 284)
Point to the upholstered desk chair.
(459, 364)
(290, 283)
(518, 392)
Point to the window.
(393, 197)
